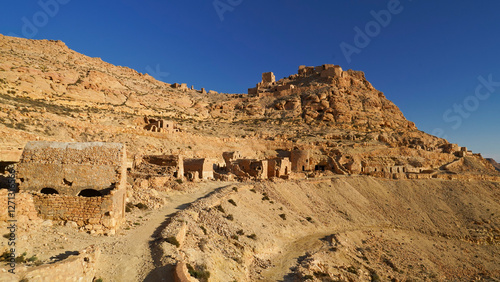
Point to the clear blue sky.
(427, 58)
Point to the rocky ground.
(343, 228)
(351, 227)
(126, 256)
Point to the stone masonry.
(80, 182)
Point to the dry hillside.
(394, 203)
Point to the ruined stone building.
(198, 169)
(245, 168)
(279, 167)
(160, 125)
(80, 182)
(286, 86)
(159, 165)
(301, 160)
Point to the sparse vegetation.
(230, 217)
(321, 275)
(220, 208)
(235, 189)
(252, 236)
(178, 180)
(141, 206)
(283, 216)
(232, 202)
(172, 240)
(309, 219)
(203, 229)
(375, 277)
(253, 190)
(234, 236)
(352, 270)
(202, 274)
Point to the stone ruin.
(286, 86)
(159, 165)
(173, 167)
(196, 169)
(160, 125)
(84, 183)
(245, 168)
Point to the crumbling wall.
(203, 167)
(81, 267)
(165, 165)
(80, 182)
(279, 167)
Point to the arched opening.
(49, 191)
(89, 193)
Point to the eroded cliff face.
(346, 228)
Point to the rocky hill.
(376, 198)
(49, 92)
(494, 163)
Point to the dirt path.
(128, 257)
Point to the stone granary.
(301, 160)
(279, 167)
(159, 165)
(80, 182)
(198, 169)
(160, 125)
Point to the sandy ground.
(126, 256)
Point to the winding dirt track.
(128, 257)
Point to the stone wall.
(80, 182)
(95, 213)
(300, 160)
(81, 267)
(203, 167)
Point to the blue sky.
(428, 57)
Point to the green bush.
(252, 236)
(240, 232)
